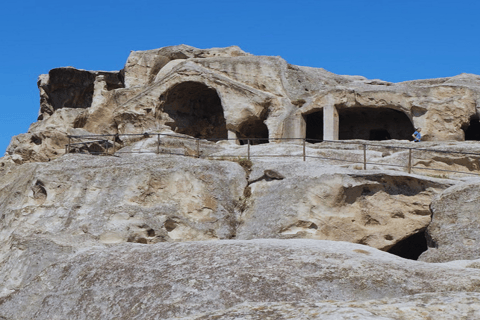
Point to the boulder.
(454, 230)
(375, 208)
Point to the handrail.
(409, 166)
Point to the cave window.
(373, 124)
(411, 247)
(314, 126)
(256, 130)
(196, 110)
(472, 132)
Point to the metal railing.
(109, 144)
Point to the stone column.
(294, 127)
(232, 135)
(330, 122)
(99, 93)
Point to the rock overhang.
(252, 89)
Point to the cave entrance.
(411, 247)
(196, 110)
(314, 127)
(472, 132)
(373, 124)
(256, 130)
(379, 134)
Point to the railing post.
(248, 149)
(304, 153)
(198, 148)
(106, 146)
(69, 142)
(409, 160)
(158, 143)
(364, 157)
(114, 148)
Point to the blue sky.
(384, 39)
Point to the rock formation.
(191, 279)
(225, 92)
(156, 226)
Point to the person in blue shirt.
(417, 136)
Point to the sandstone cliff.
(170, 227)
(225, 92)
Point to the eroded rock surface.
(80, 201)
(454, 230)
(165, 280)
(312, 202)
(220, 92)
(442, 306)
(124, 235)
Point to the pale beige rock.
(142, 67)
(80, 235)
(311, 202)
(71, 88)
(256, 96)
(168, 280)
(77, 201)
(454, 230)
(441, 306)
(151, 198)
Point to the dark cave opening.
(196, 110)
(314, 126)
(256, 130)
(379, 134)
(411, 247)
(472, 132)
(373, 124)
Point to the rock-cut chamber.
(314, 126)
(472, 132)
(254, 131)
(374, 124)
(195, 110)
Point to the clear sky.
(391, 40)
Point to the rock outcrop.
(87, 200)
(225, 92)
(173, 223)
(375, 209)
(454, 230)
(165, 281)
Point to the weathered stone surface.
(226, 89)
(80, 200)
(454, 230)
(92, 237)
(442, 306)
(312, 202)
(71, 88)
(169, 280)
(142, 67)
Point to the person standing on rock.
(417, 136)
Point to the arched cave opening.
(256, 130)
(314, 126)
(411, 247)
(379, 134)
(374, 124)
(472, 132)
(196, 110)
